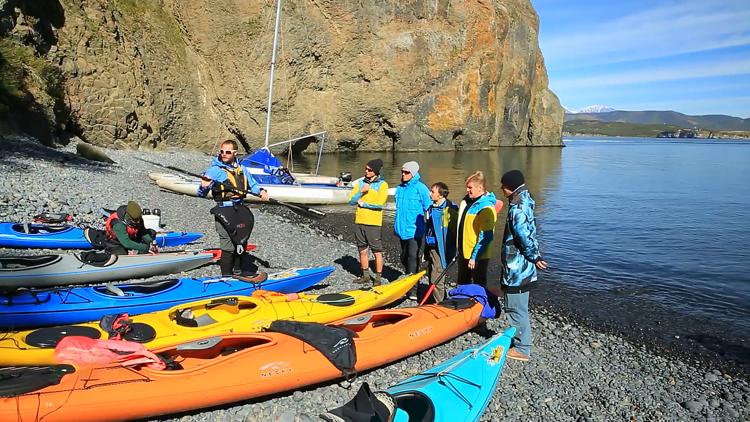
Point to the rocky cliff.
(376, 74)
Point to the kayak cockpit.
(417, 405)
(193, 355)
(138, 289)
(20, 263)
(211, 312)
(41, 229)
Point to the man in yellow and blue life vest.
(229, 182)
(476, 226)
(369, 194)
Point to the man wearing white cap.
(412, 201)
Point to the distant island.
(655, 124)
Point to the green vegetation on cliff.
(31, 91)
(151, 19)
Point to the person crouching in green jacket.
(126, 233)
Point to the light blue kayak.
(458, 389)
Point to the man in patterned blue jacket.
(520, 259)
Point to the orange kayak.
(233, 367)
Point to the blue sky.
(689, 56)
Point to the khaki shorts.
(369, 236)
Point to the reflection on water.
(540, 165)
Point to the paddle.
(433, 283)
(297, 208)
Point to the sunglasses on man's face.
(227, 152)
(368, 169)
(405, 172)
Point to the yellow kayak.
(210, 317)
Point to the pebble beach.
(575, 373)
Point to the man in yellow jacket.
(369, 194)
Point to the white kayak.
(298, 194)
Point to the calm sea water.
(648, 235)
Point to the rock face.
(376, 74)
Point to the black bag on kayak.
(366, 406)
(335, 343)
(18, 380)
(97, 238)
(52, 218)
(238, 221)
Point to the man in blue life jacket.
(520, 259)
(229, 182)
(412, 201)
(440, 237)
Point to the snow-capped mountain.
(597, 108)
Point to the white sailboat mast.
(273, 67)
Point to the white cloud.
(664, 31)
(725, 67)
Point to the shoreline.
(548, 294)
(577, 371)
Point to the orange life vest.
(238, 182)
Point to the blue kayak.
(21, 235)
(458, 389)
(62, 306)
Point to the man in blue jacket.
(229, 182)
(412, 201)
(440, 237)
(520, 258)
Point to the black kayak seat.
(97, 258)
(416, 404)
(140, 332)
(336, 299)
(15, 380)
(18, 263)
(38, 228)
(458, 303)
(48, 337)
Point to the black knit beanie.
(512, 179)
(376, 165)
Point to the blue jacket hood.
(415, 179)
(486, 200)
